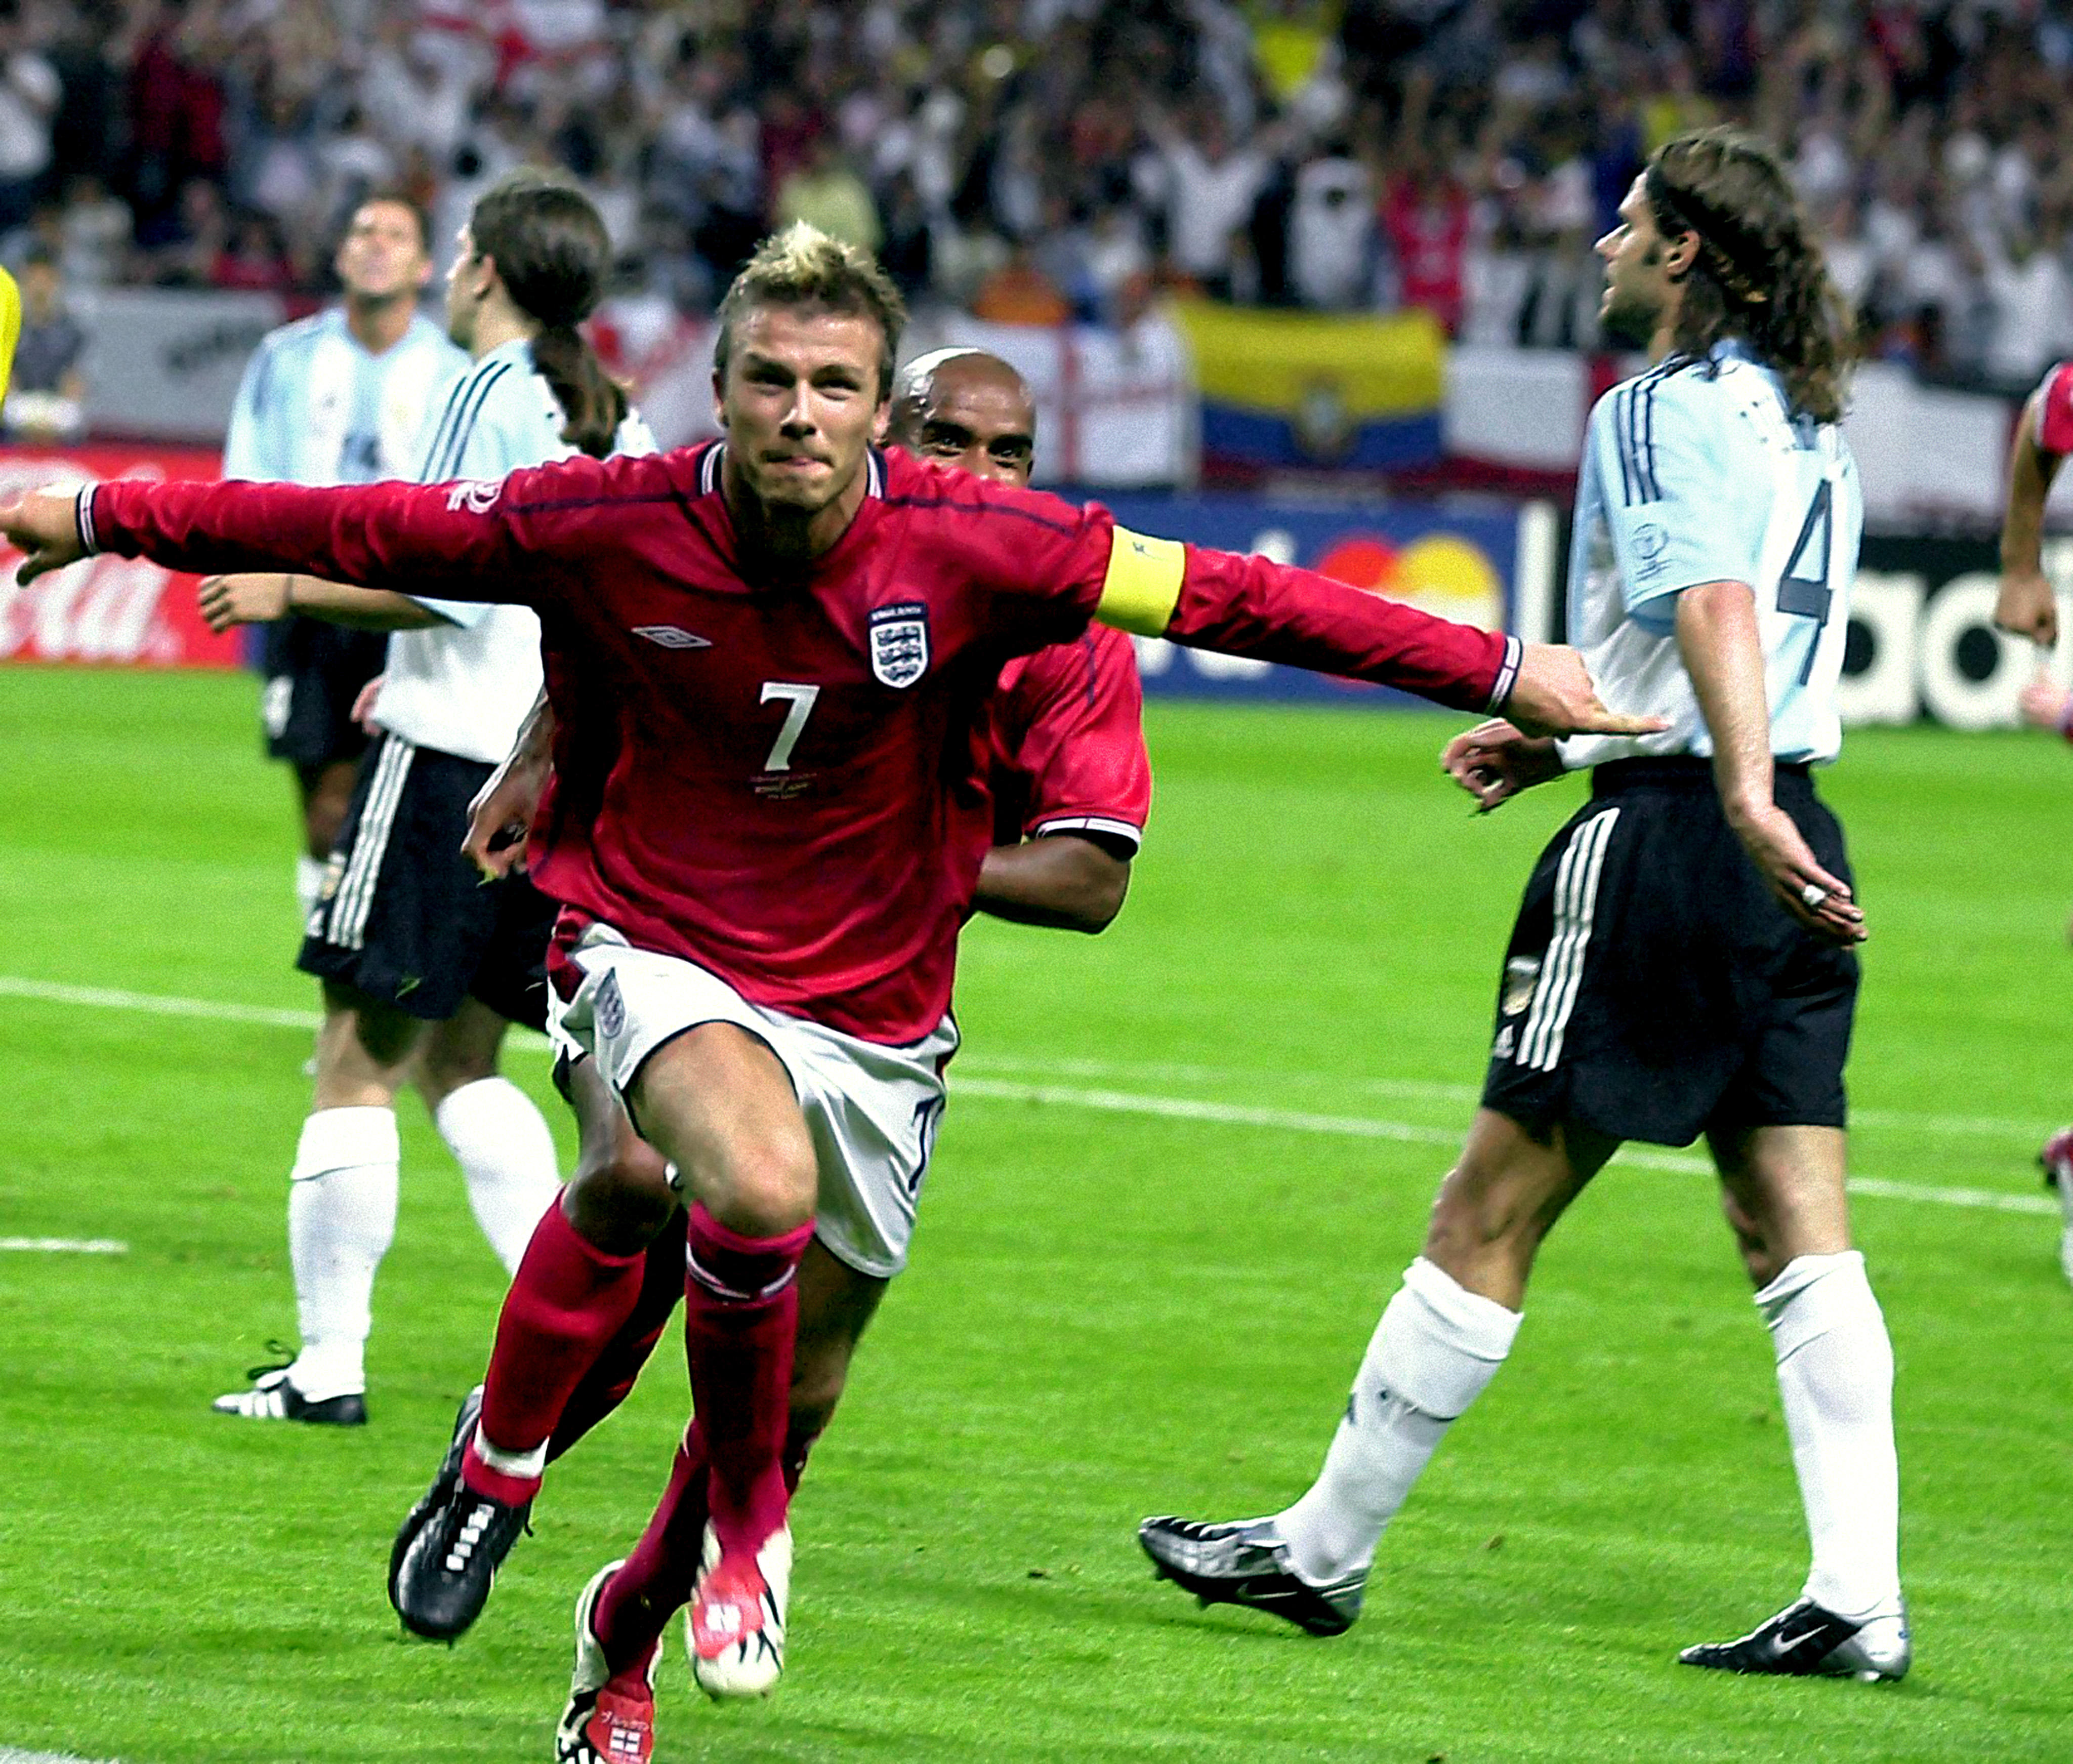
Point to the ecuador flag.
(1291, 389)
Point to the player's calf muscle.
(620, 1204)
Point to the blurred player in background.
(2028, 608)
(1682, 962)
(766, 658)
(423, 968)
(48, 390)
(340, 398)
(1063, 766)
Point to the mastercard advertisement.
(1458, 566)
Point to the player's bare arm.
(503, 808)
(1716, 635)
(2026, 606)
(1495, 761)
(1063, 880)
(259, 597)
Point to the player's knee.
(1483, 1204)
(323, 819)
(619, 1200)
(1752, 1242)
(763, 1189)
(443, 1068)
(384, 1036)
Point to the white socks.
(1835, 1373)
(1436, 1347)
(341, 1220)
(309, 884)
(506, 1153)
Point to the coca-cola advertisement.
(118, 610)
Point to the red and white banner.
(124, 611)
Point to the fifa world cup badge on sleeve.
(900, 643)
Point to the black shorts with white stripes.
(314, 672)
(1654, 989)
(405, 918)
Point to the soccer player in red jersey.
(1065, 768)
(766, 657)
(2028, 608)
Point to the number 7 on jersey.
(800, 698)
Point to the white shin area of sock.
(341, 1220)
(1835, 1375)
(309, 884)
(506, 1154)
(1436, 1347)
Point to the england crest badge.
(900, 643)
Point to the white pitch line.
(9, 1755)
(979, 1086)
(63, 1246)
(1362, 1127)
(103, 998)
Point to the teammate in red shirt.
(2028, 608)
(2043, 438)
(767, 656)
(1062, 761)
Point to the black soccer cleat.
(433, 1497)
(440, 1578)
(1247, 1562)
(1805, 1640)
(272, 1398)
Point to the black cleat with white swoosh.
(1805, 1640)
(1246, 1562)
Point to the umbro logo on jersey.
(672, 636)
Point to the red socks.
(638, 1601)
(741, 1318)
(566, 1302)
(739, 1461)
(608, 1383)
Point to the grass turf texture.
(1110, 1312)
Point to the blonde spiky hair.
(803, 266)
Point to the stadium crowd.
(1036, 160)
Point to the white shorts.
(873, 1111)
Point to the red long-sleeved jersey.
(765, 779)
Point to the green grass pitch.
(1183, 1166)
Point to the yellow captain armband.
(1143, 585)
(10, 329)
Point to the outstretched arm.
(1249, 606)
(2026, 606)
(458, 541)
(260, 597)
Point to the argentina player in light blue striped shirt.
(1683, 961)
(341, 397)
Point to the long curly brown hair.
(1758, 275)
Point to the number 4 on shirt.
(1809, 596)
